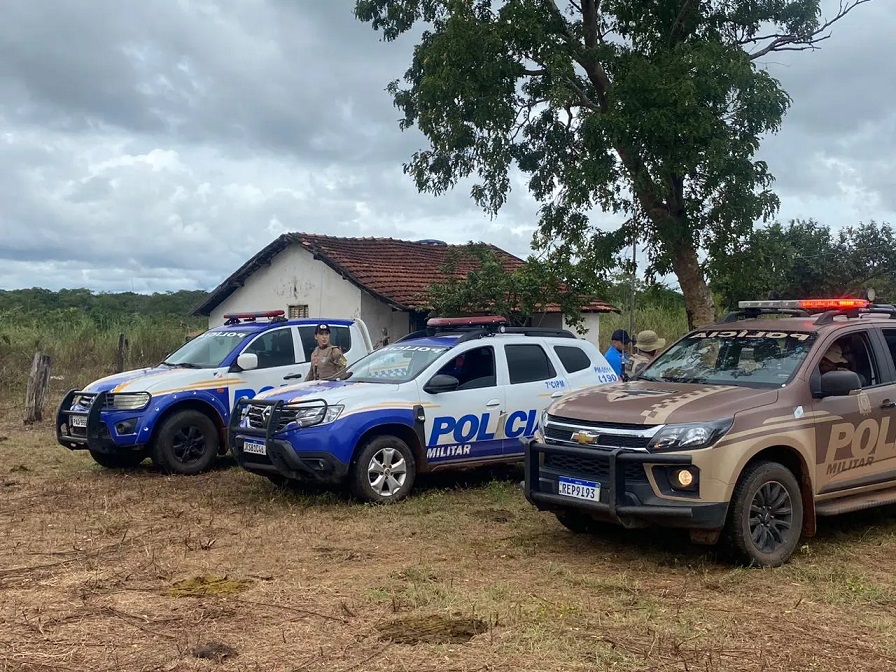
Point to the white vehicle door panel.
(535, 379)
(279, 355)
(465, 424)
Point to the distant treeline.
(35, 302)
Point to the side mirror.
(247, 361)
(441, 383)
(839, 383)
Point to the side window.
(473, 368)
(340, 336)
(852, 353)
(528, 363)
(890, 336)
(573, 358)
(274, 348)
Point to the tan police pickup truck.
(746, 431)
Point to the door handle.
(556, 395)
(886, 403)
(492, 403)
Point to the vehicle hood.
(162, 379)
(655, 403)
(334, 392)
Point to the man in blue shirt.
(616, 354)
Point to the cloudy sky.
(154, 146)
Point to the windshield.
(394, 364)
(208, 350)
(749, 358)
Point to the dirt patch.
(215, 651)
(199, 586)
(431, 629)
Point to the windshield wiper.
(693, 380)
(183, 365)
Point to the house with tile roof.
(383, 281)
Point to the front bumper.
(94, 433)
(280, 458)
(626, 495)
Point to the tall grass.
(83, 348)
(668, 322)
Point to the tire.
(384, 471)
(118, 460)
(187, 444)
(765, 519)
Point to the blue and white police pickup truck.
(461, 393)
(177, 412)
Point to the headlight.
(689, 436)
(316, 415)
(544, 419)
(134, 401)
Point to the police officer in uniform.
(326, 360)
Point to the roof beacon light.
(234, 318)
(808, 304)
(482, 321)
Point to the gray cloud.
(155, 146)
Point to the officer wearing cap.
(326, 360)
(616, 354)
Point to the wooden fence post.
(38, 388)
(121, 357)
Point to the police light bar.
(808, 304)
(252, 316)
(483, 321)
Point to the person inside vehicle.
(617, 354)
(326, 360)
(647, 346)
(834, 360)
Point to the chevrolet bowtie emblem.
(584, 437)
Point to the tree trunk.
(121, 355)
(38, 386)
(697, 298)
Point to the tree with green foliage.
(480, 281)
(650, 109)
(805, 259)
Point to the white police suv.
(177, 412)
(463, 392)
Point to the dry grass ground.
(137, 571)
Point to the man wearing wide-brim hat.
(647, 345)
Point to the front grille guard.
(64, 412)
(618, 457)
(273, 421)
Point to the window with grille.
(297, 312)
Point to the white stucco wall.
(294, 277)
(378, 315)
(589, 330)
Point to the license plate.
(254, 447)
(77, 420)
(579, 489)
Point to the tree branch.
(679, 29)
(792, 42)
